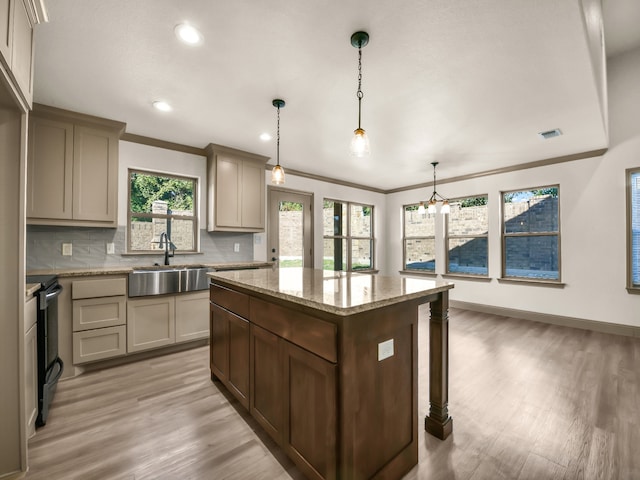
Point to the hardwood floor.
(528, 401)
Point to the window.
(348, 236)
(633, 229)
(467, 236)
(161, 203)
(419, 240)
(531, 234)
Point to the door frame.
(272, 234)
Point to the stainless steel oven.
(50, 365)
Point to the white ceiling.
(468, 84)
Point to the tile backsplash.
(89, 248)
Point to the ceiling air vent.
(550, 134)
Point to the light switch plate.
(385, 349)
(67, 249)
(236, 247)
(111, 248)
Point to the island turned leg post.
(438, 422)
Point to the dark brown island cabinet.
(327, 363)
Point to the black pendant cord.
(278, 139)
(359, 93)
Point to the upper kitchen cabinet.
(236, 191)
(17, 18)
(72, 169)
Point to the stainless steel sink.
(161, 281)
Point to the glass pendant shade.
(445, 209)
(421, 209)
(432, 207)
(360, 143)
(277, 175)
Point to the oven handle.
(54, 293)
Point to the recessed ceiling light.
(188, 34)
(162, 106)
(265, 137)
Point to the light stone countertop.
(126, 269)
(30, 289)
(340, 293)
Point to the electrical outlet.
(111, 248)
(385, 349)
(67, 249)
(236, 247)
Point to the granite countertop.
(30, 289)
(126, 269)
(340, 293)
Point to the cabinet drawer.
(108, 287)
(99, 344)
(99, 312)
(233, 301)
(310, 333)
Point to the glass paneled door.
(290, 235)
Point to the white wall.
(322, 190)
(145, 157)
(592, 213)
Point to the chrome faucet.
(167, 244)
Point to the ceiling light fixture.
(360, 141)
(277, 174)
(265, 137)
(433, 200)
(188, 34)
(162, 106)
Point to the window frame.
(193, 218)
(349, 238)
(448, 237)
(422, 237)
(629, 172)
(504, 236)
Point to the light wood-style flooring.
(528, 401)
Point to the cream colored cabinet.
(17, 18)
(72, 170)
(151, 323)
(31, 364)
(99, 319)
(192, 316)
(6, 19)
(236, 190)
(166, 319)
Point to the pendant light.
(360, 141)
(277, 174)
(433, 200)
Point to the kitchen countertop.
(340, 293)
(30, 289)
(126, 269)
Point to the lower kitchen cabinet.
(151, 322)
(192, 316)
(311, 411)
(166, 319)
(99, 318)
(99, 344)
(291, 391)
(230, 352)
(267, 397)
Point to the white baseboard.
(604, 327)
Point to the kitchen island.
(327, 363)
